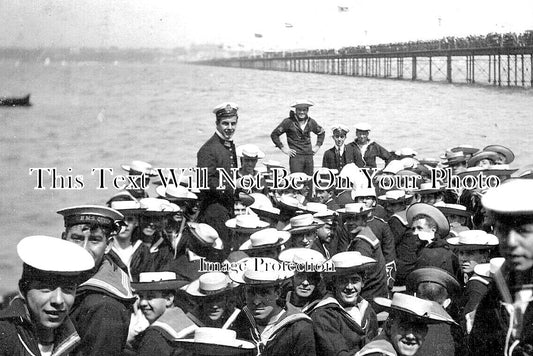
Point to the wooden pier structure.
(500, 66)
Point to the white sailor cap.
(513, 197)
(363, 126)
(43, 255)
(302, 103)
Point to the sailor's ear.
(63, 235)
(169, 300)
(446, 303)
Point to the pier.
(499, 65)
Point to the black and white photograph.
(231, 177)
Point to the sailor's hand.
(316, 148)
(288, 151)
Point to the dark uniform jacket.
(332, 160)
(491, 325)
(336, 332)
(298, 139)
(17, 337)
(157, 338)
(376, 279)
(293, 334)
(353, 152)
(140, 260)
(102, 311)
(217, 153)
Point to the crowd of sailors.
(307, 269)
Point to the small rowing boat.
(15, 101)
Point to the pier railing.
(500, 66)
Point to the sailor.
(363, 151)
(139, 173)
(356, 235)
(242, 226)
(219, 152)
(265, 243)
(431, 228)
(214, 301)
(335, 157)
(307, 284)
(343, 320)
(509, 297)
(37, 322)
(303, 229)
(437, 285)
(167, 322)
(103, 306)
(405, 330)
(298, 127)
(249, 155)
(276, 330)
(127, 247)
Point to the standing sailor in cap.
(362, 151)
(298, 127)
(219, 152)
(103, 304)
(405, 330)
(38, 323)
(503, 319)
(335, 157)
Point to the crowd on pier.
(246, 255)
(491, 40)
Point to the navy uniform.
(217, 205)
(299, 139)
(218, 152)
(45, 265)
(103, 306)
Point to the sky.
(235, 23)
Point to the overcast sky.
(315, 23)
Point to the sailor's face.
(248, 165)
(131, 223)
(369, 201)
(301, 113)
(470, 258)
(305, 239)
(325, 234)
(226, 127)
(421, 229)
(407, 335)
(153, 304)
(49, 302)
(347, 288)
(352, 221)
(91, 238)
(261, 300)
(151, 225)
(323, 196)
(214, 307)
(516, 241)
(362, 136)
(304, 283)
(339, 138)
